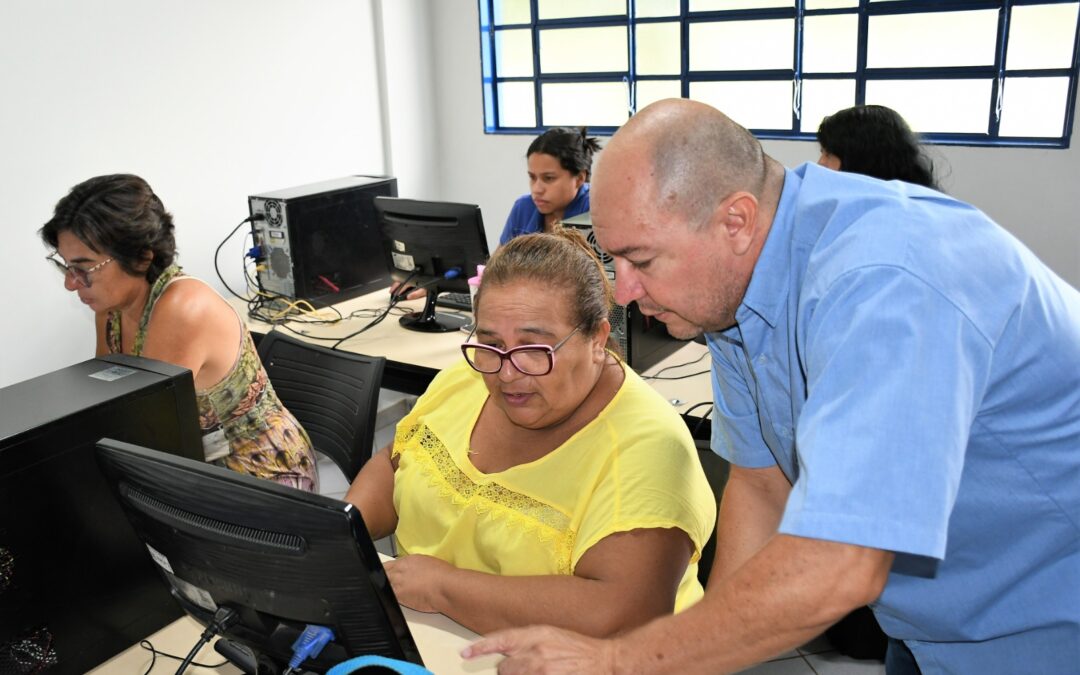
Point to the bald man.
(897, 385)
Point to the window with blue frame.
(964, 72)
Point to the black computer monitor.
(434, 245)
(76, 587)
(279, 557)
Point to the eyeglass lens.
(81, 275)
(528, 361)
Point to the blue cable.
(309, 644)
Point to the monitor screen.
(280, 558)
(433, 245)
(76, 587)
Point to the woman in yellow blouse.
(540, 480)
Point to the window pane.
(517, 106)
(938, 39)
(583, 50)
(831, 4)
(651, 91)
(824, 97)
(755, 105)
(920, 103)
(563, 9)
(712, 5)
(512, 11)
(830, 43)
(657, 7)
(658, 49)
(1041, 36)
(1034, 106)
(742, 45)
(594, 104)
(513, 53)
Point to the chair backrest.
(717, 470)
(333, 394)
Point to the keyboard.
(460, 301)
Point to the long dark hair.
(118, 215)
(876, 141)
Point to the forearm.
(487, 602)
(785, 595)
(750, 512)
(372, 491)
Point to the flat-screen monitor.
(280, 558)
(433, 245)
(76, 587)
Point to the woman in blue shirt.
(559, 164)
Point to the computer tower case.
(320, 242)
(644, 340)
(76, 585)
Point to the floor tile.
(833, 663)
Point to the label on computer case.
(113, 373)
(193, 593)
(159, 558)
(403, 262)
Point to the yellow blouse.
(633, 467)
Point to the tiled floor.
(817, 657)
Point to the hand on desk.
(411, 293)
(417, 581)
(546, 650)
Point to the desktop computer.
(644, 340)
(320, 242)
(76, 586)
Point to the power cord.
(656, 375)
(395, 298)
(250, 219)
(224, 618)
(155, 652)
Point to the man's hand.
(418, 581)
(546, 650)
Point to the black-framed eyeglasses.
(534, 360)
(80, 275)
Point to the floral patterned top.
(245, 426)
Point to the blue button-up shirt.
(525, 218)
(914, 371)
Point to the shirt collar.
(767, 294)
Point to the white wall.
(412, 106)
(1035, 194)
(210, 101)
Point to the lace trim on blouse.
(491, 499)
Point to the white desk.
(413, 358)
(439, 639)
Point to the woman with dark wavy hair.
(112, 239)
(875, 141)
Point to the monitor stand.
(430, 321)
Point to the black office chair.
(717, 470)
(333, 394)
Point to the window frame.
(995, 73)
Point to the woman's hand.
(419, 580)
(411, 293)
